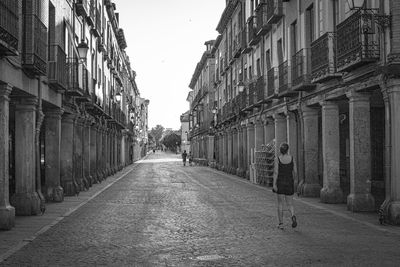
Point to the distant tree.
(157, 133)
(171, 141)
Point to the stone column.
(360, 198)
(220, 151)
(269, 130)
(239, 149)
(280, 131)
(99, 152)
(7, 212)
(235, 150)
(331, 191)
(26, 199)
(311, 186)
(250, 146)
(93, 153)
(123, 150)
(78, 158)
(53, 190)
(68, 182)
(86, 153)
(225, 151)
(291, 127)
(105, 154)
(393, 93)
(210, 148)
(230, 165)
(244, 155)
(259, 135)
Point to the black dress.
(285, 182)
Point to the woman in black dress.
(285, 171)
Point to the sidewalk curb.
(45, 228)
(314, 205)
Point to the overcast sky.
(165, 41)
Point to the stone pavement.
(27, 228)
(164, 214)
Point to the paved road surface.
(164, 214)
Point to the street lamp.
(118, 96)
(82, 50)
(240, 86)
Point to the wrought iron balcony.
(121, 39)
(274, 11)
(284, 78)
(34, 58)
(92, 13)
(243, 40)
(9, 28)
(82, 8)
(237, 46)
(301, 70)
(242, 100)
(357, 41)
(323, 58)
(252, 93)
(101, 43)
(272, 82)
(262, 20)
(57, 68)
(77, 78)
(97, 30)
(260, 90)
(252, 31)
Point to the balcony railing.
(92, 13)
(272, 82)
(261, 93)
(357, 41)
(262, 20)
(237, 46)
(57, 67)
(301, 70)
(284, 78)
(34, 58)
(242, 100)
(82, 8)
(9, 27)
(323, 58)
(96, 30)
(243, 40)
(274, 11)
(252, 31)
(77, 78)
(251, 94)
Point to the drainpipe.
(39, 121)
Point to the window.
(267, 60)
(258, 67)
(293, 39)
(279, 49)
(310, 26)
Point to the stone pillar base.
(331, 195)
(70, 188)
(7, 217)
(360, 202)
(26, 204)
(310, 190)
(393, 212)
(55, 194)
(240, 172)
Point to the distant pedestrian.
(184, 156)
(283, 185)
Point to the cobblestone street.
(165, 214)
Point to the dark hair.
(284, 148)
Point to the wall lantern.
(240, 86)
(118, 96)
(82, 50)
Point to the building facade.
(184, 133)
(321, 75)
(67, 101)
